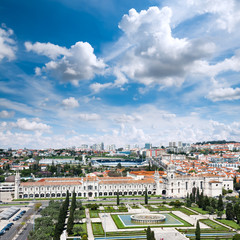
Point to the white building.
(170, 185)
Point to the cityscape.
(119, 120)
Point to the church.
(170, 184)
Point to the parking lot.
(8, 232)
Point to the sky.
(123, 72)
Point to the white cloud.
(69, 65)
(89, 116)
(70, 102)
(222, 94)
(155, 56)
(119, 82)
(98, 87)
(47, 49)
(20, 107)
(7, 44)
(226, 12)
(6, 114)
(128, 118)
(25, 124)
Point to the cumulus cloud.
(154, 55)
(119, 82)
(69, 65)
(6, 114)
(70, 102)
(7, 44)
(226, 12)
(222, 94)
(47, 49)
(98, 87)
(89, 116)
(25, 124)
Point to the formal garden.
(218, 219)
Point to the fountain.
(148, 218)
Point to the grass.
(199, 210)
(94, 214)
(187, 211)
(120, 225)
(126, 233)
(214, 225)
(84, 228)
(229, 223)
(110, 209)
(97, 229)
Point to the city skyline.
(119, 72)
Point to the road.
(24, 234)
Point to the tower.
(17, 184)
(171, 171)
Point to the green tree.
(146, 196)
(236, 237)
(148, 233)
(200, 201)
(118, 200)
(70, 222)
(219, 214)
(236, 209)
(152, 235)
(84, 237)
(213, 203)
(229, 212)
(198, 231)
(210, 209)
(220, 206)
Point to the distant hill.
(216, 142)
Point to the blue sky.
(78, 72)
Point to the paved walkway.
(89, 225)
(107, 222)
(145, 210)
(168, 234)
(192, 219)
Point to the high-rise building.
(148, 145)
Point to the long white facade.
(170, 185)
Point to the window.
(178, 183)
(172, 184)
(186, 185)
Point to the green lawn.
(214, 225)
(199, 210)
(186, 211)
(97, 229)
(229, 223)
(110, 209)
(94, 214)
(126, 233)
(84, 228)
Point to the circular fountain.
(148, 218)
